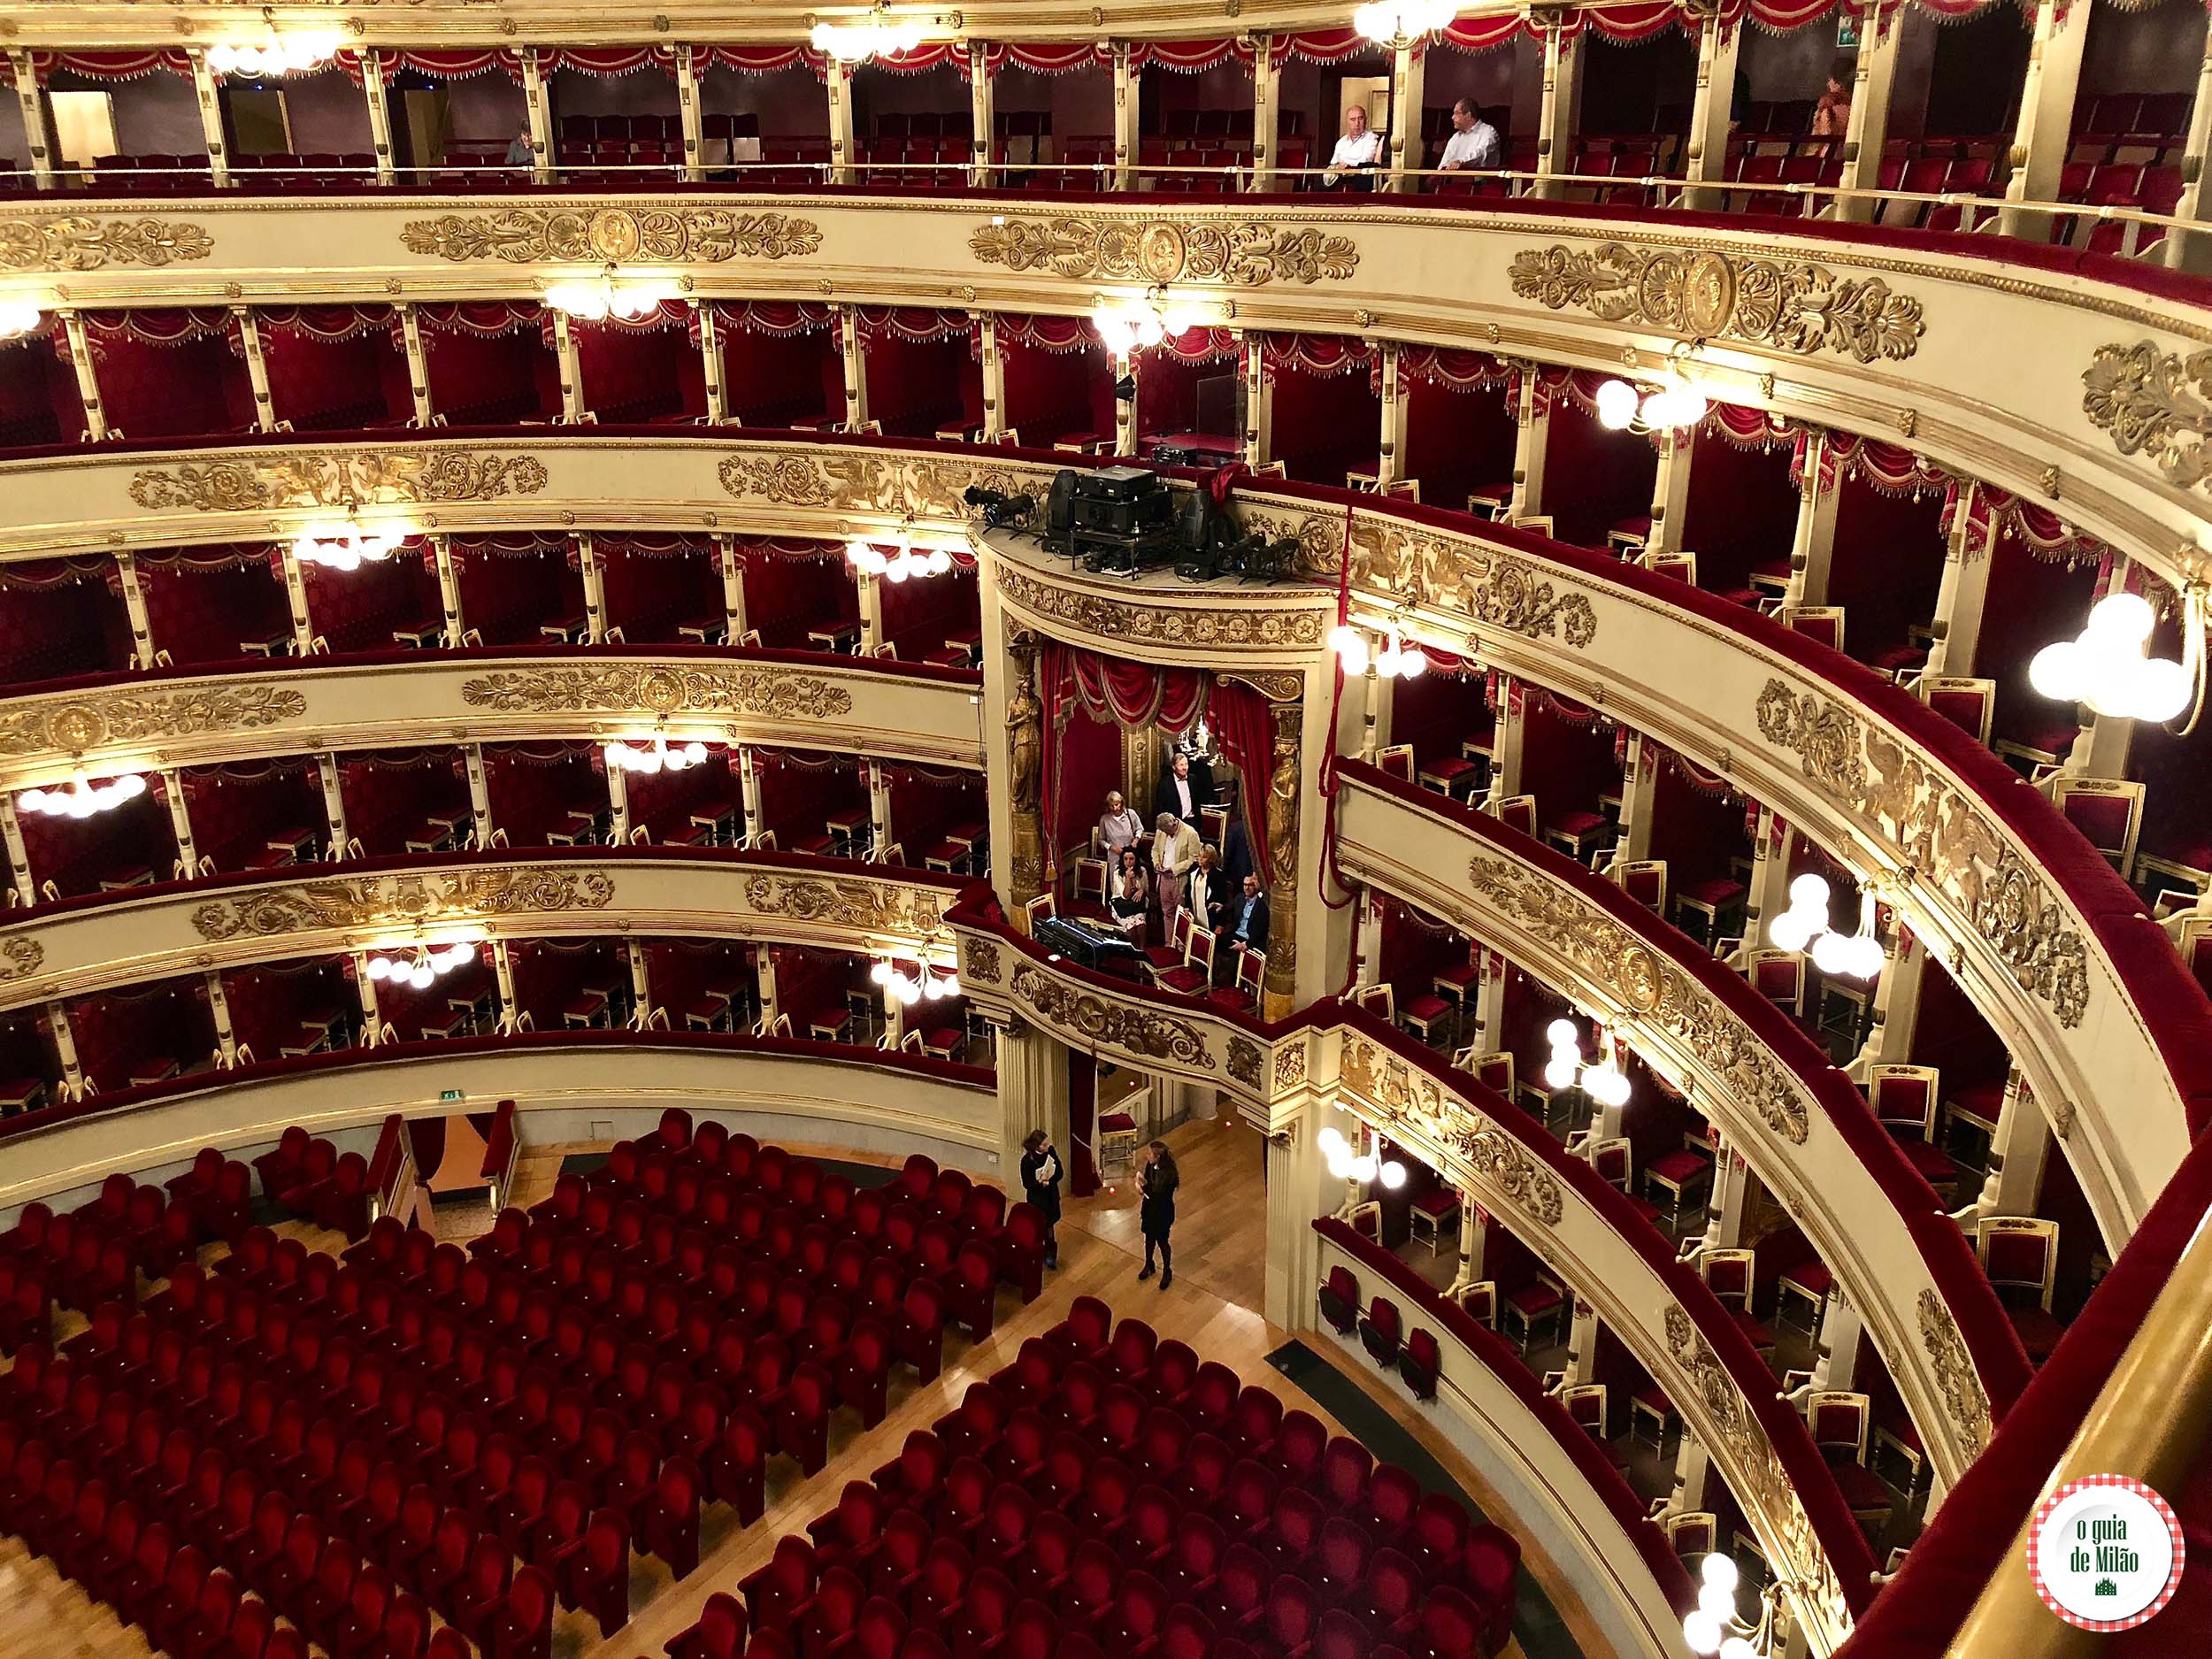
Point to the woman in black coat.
(1040, 1185)
(1156, 1183)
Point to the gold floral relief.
(923, 486)
(1249, 629)
(1246, 1060)
(1412, 1101)
(1938, 830)
(880, 907)
(1093, 246)
(1963, 1397)
(980, 961)
(1132, 1027)
(660, 690)
(400, 901)
(78, 241)
(610, 236)
(2155, 403)
(1794, 306)
(83, 724)
(1615, 959)
(1396, 562)
(21, 957)
(263, 482)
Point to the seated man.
(1246, 919)
(1359, 150)
(1473, 144)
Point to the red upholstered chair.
(2109, 812)
(775, 1594)
(1840, 1420)
(1518, 812)
(1339, 1298)
(1968, 704)
(1905, 1098)
(1779, 977)
(1540, 1305)
(1731, 1275)
(1493, 1567)
(1420, 1362)
(1395, 760)
(719, 1634)
(1820, 623)
(1380, 1332)
(1681, 1177)
(2020, 1254)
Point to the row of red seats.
(996, 1532)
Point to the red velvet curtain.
(236, 808)
(510, 584)
(799, 791)
(390, 793)
(656, 584)
(60, 617)
(75, 854)
(534, 787)
(919, 615)
(1055, 391)
(117, 1030)
(793, 585)
(38, 393)
(268, 1002)
(203, 603)
(1242, 720)
(641, 371)
(169, 373)
(333, 367)
(359, 610)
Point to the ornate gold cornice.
(261, 482)
(1459, 573)
(127, 716)
(1409, 1098)
(1791, 306)
(1130, 1027)
(1648, 985)
(770, 692)
(604, 235)
(866, 480)
(1964, 1399)
(1084, 246)
(845, 902)
(2155, 403)
(21, 957)
(78, 241)
(403, 899)
(1215, 627)
(1944, 835)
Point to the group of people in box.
(1153, 874)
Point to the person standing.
(1174, 850)
(1120, 825)
(1040, 1185)
(1156, 1183)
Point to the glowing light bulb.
(1616, 405)
(1831, 953)
(1562, 1033)
(880, 974)
(380, 969)
(1560, 1070)
(1702, 1631)
(2124, 618)
(1719, 1569)
(1720, 1602)
(1393, 1175)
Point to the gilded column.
(1295, 1196)
(218, 1009)
(1126, 86)
(1671, 488)
(870, 588)
(1640, 794)
(839, 88)
(188, 864)
(1267, 85)
(1582, 1345)
(503, 984)
(981, 117)
(2185, 250)
(479, 792)
(1469, 1273)
(334, 804)
(1024, 772)
(1394, 419)
(1286, 792)
(710, 360)
(380, 106)
(687, 113)
(18, 854)
(135, 607)
(449, 588)
(641, 985)
(38, 128)
(1896, 1012)
(2019, 1152)
(1032, 1092)
(1406, 88)
(878, 809)
(1126, 373)
(726, 561)
(74, 1082)
(1257, 397)
(764, 984)
(296, 601)
(594, 587)
(418, 362)
(1867, 133)
(1706, 160)
(257, 367)
(618, 805)
(2046, 115)
(1510, 733)
(208, 95)
(95, 421)
(571, 369)
(994, 367)
(853, 354)
(1812, 549)
(748, 793)
(1555, 114)
(365, 991)
(1531, 437)
(1966, 562)
(540, 109)
(1367, 948)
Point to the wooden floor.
(1213, 1305)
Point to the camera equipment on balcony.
(1000, 510)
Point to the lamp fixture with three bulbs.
(1604, 1082)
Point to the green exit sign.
(451, 1093)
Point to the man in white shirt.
(1359, 148)
(1473, 142)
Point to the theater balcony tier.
(1860, 330)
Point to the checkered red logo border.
(2165, 1511)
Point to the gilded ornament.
(1083, 247)
(2153, 403)
(84, 724)
(1246, 1058)
(21, 957)
(1794, 306)
(1939, 830)
(982, 959)
(871, 906)
(1290, 1066)
(78, 241)
(1613, 959)
(1962, 1395)
(395, 901)
(1130, 1027)
(610, 236)
(658, 690)
(261, 483)
(1416, 1103)
(1158, 625)
(1461, 573)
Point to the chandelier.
(877, 35)
(1124, 325)
(1805, 923)
(81, 797)
(346, 545)
(645, 760)
(424, 967)
(1714, 1627)
(898, 567)
(285, 55)
(910, 989)
(1400, 23)
(1396, 660)
(2104, 667)
(1667, 408)
(19, 317)
(601, 295)
(1348, 1165)
(1604, 1082)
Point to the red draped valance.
(120, 65)
(35, 575)
(665, 315)
(927, 56)
(1060, 335)
(1122, 693)
(767, 59)
(1484, 33)
(797, 548)
(780, 318)
(1059, 58)
(509, 544)
(1326, 356)
(910, 323)
(206, 560)
(1312, 46)
(329, 324)
(456, 64)
(651, 545)
(1889, 469)
(485, 319)
(607, 60)
(1185, 57)
(1460, 370)
(1200, 345)
(172, 326)
(2045, 536)
(1744, 428)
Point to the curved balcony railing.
(1528, 1446)
(1804, 1129)
(76, 946)
(129, 722)
(564, 1083)
(2044, 937)
(1873, 330)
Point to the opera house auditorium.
(1155, 829)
